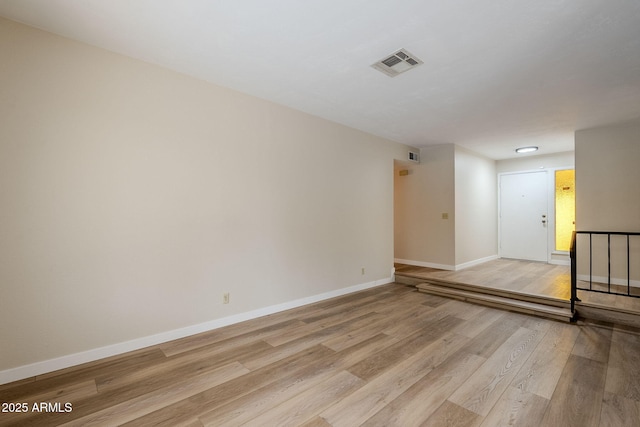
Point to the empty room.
(304, 213)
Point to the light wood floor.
(535, 278)
(527, 277)
(388, 356)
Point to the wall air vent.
(397, 63)
(414, 157)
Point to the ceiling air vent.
(397, 63)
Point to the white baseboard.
(614, 280)
(475, 262)
(445, 266)
(424, 264)
(559, 258)
(39, 368)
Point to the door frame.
(549, 204)
(553, 256)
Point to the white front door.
(524, 216)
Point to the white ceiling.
(497, 74)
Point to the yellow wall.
(565, 207)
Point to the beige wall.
(608, 178)
(449, 180)
(608, 192)
(421, 235)
(476, 219)
(133, 197)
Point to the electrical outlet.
(225, 298)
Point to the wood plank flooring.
(387, 356)
(536, 279)
(528, 277)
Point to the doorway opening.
(523, 216)
(565, 208)
(525, 225)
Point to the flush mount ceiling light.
(523, 150)
(397, 63)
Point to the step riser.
(413, 281)
(500, 305)
(480, 294)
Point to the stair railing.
(574, 262)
